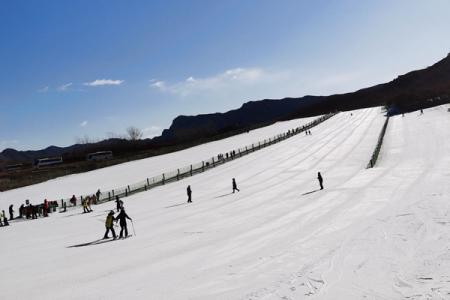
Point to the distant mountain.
(412, 91)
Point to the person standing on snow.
(45, 208)
(11, 212)
(319, 177)
(122, 217)
(189, 193)
(235, 186)
(109, 225)
(119, 204)
(98, 195)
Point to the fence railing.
(200, 167)
(376, 152)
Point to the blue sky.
(71, 69)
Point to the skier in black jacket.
(11, 212)
(189, 193)
(319, 177)
(235, 186)
(122, 217)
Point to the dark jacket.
(122, 216)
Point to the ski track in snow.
(380, 233)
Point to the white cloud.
(43, 90)
(65, 87)
(152, 131)
(229, 79)
(101, 82)
(158, 84)
(84, 123)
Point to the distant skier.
(109, 225)
(11, 212)
(98, 195)
(235, 186)
(319, 177)
(5, 219)
(122, 217)
(119, 203)
(189, 193)
(45, 208)
(85, 205)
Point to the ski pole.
(132, 225)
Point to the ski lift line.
(193, 169)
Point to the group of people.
(28, 211)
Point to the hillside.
(414, 90)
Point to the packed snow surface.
(381, 233)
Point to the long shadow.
(77, 214)
(224, 195)
(175, 205)
(310, 192)
(96, 242)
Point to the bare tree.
(134, 133)
(84, 140)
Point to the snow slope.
(136, 171)
(380, 233)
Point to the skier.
(5, 219)
(122, 217)
(11, 212)
(98, 194)
(119, 203)
(45, 208)
(109, 225)
(235, 186)
(85, 205)
(189, 193)
(319, 177)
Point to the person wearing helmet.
(109, 225)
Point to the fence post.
(191, 170)
(163, 178)
(213, 162)
(129, 190)
(126, 192)
(203, 166)
(148, 182)
(178, 174)
(145, 187)
(259, 145)
(239, 150)
(252, 148)
(109, 196)
(113, 193)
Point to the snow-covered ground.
(380, 233)
(136, 171)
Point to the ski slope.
(381, 233)
(136, 171)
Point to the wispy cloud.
(65, 87)
(231, 78)
(101, 82)
(43, 90)
(84, 123)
